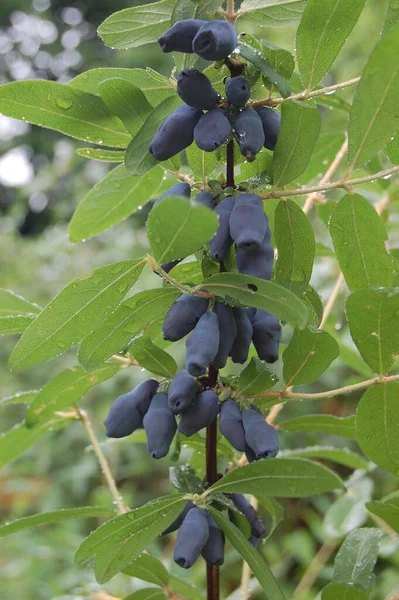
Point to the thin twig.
(342, 183)
(230, 14)
(126, 360)
(186, 289)
(315, 196)
(332, 299)
(304, 95)
(109, 478)
(287, 394)
(313, 570)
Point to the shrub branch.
(105, 468)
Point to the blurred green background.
(41, 182)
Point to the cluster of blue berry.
(253, 128)
(215, 331)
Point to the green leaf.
(281, 477)
(255, 378)
(309, 353)
(153, 358)
(202, 163)
(353, 223)
(253, 558)
(254, 57)
(315, 305)
(19, 398)
(328, 424)
(296, 246)
(184, 479)
(119, 541)
(112, 200)
(65, 389)
(374, 117)
(136, 26)
(275, 510)
(60, 107)
(332, 591)
(101, 154)
(190, 9)
(147, 594)
(187, 272)
(177, 228)
(326, 149)
(245, 290)
(392, 150)
(342, 456)
(148, 568)
(371, 314)
(13, 325)
(377, 419)
(128, 320)
(300, 128)
(268, 13)
(351, 358)
(154, 86)
(17, 440)
(355, 561)
(126, 101)
(138, 159)
(348, 512)
(12, 304)
(392, 16)
(78, 308)
(258, 172)
(321, 34)
(280, 60)
(185, 588)
(387, 509)
(55, 516)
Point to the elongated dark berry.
(238, 91)
(206, 199)
(271, 122)
(227, 333)
(200, 414)
(127, 412)
(257, 527)
(266, 335)
(191, 538)
(215, 40)
(179, 520)
(256, 260)
(202, 345)
(248, 222)
(170, 265)
(230, 424)
(213, 130)
(261, 437)
(221, 242)
(213, 551)
(242, 341)
(160, 426)
(179, 38)
(178, 189)
(195, 89)
(182, 391)
(176, 133)
(249, 134)
(183, 316)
